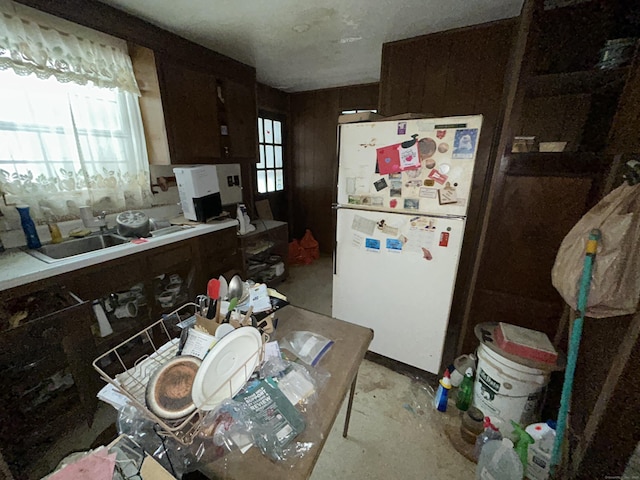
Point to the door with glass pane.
(271, 178)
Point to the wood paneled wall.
(314, 121)
(456, 72)
(272, 99)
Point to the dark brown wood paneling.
(359, 97)
(272, 99)
(314, 117)
(624, 136)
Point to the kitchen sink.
(54, 252)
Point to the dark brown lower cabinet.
(49, 335)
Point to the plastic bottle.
(522, 443)
(460, 365)
(442, 395)
(30, 233)
(490, 432)
(539, 460)
(499, 461)
(465, 392)
(54, 230)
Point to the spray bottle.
(523, 440)
(491, 432)
(442, 395)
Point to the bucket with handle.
(506, 390)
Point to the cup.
(128, 310)
(167, 299)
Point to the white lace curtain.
(70, 126)
(30, 47)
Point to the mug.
(127, 310)
(167, 299)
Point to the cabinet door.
(240, 102)
(49, 384)
(189, 104)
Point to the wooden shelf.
(554, 164)
(571, 83)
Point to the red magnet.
(444, 239)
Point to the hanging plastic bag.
(310, 245)
(615, 284)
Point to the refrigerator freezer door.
(411, 166)
(395, 274)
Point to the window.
(70, 125)
(270, 170)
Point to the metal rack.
(135, 371)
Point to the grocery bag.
(615, 283)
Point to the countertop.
(17, 267)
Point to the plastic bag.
(307, 346)
(310, 245)
(615, 285)
(298, 255)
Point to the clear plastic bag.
(307, 346)
(176, 458)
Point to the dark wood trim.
(104, 18)
(510, 108)
(334, 89)
(615, 381)
(504, 21)
(561, 164)
(585, 81)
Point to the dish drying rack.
(133, 375)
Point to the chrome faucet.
(89, 221)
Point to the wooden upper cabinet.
(242, 116)
(190, 110)
(208, 117)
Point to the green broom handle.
(574, 345)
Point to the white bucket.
(505, 390)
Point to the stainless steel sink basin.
(54, 252)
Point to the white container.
(505, 390)
(539, 453)
(499, 461)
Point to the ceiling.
(299, 45)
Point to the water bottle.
(499, 461)
(30, 233)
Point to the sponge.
(79, 232)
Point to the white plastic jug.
(499, 461)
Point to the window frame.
(273, 116)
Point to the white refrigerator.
(403, 191)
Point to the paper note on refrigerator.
(363, 224)
(417, 239)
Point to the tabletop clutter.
(497, 392)
(218, 384)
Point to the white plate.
(222, 374)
